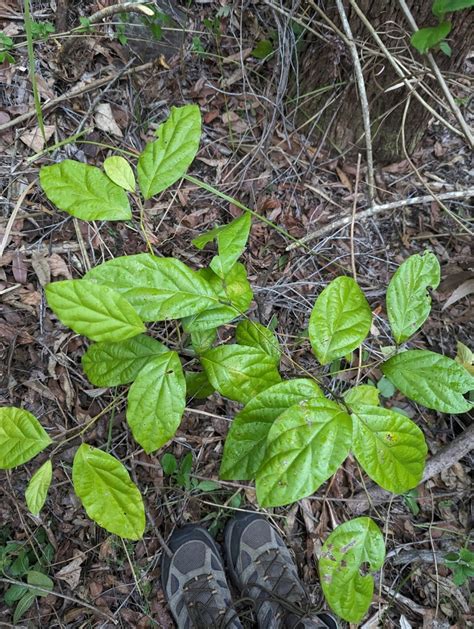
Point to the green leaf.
(465, 357)
(255, 334)
(262, 49)
(305, 446)
(362, 394)
(385, 387)
(112, 364)
(23, 606)
(347, 548)
(440, 7)
(239, 372)
(21, 437)
(234, 291)
(408, 302)
(237, 288)
(426, 38)
(98, 312)
(340, 320)
(245, 445)
(445, 48)
(156, 402)
(38, 486)
(84, 192)
(168, 463)
(34, 577)
(198, 385)
(107, 493)
(167, 159)
(203, 339)
(389, 446)
(231, 241)
(430, 379)
(158, 288)
(14, 593)
(120, 172)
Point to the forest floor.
(251, 151)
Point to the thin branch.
(379, 209)
(442, 83)
(364, 103)
(407, 80)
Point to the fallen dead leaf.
(71, 572)
(466, 288)
(40, 265)
(34, 139)
(58, 267)
(105, 121)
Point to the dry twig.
(379, 209)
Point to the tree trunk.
(327, 63)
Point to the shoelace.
(203, 613)
(301, 609)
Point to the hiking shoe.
(194, 582)
(261, 566)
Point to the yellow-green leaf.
(37, 490)
(107, 493)
(21, 437)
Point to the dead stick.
(442, 460)
(378, 209)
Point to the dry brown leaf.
(466, 288)
(34, 139)
(105, 121)
(40, 265)
(58, 267)
(71, 572)
(344, 179)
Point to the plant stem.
(31, 64)
(226, 197)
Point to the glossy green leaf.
(234, 290)
(254, 334)
(84, 192)
(239, 372)
(98, 312)
(340, 320)
(344, 553)
(203, 339)
(112, 364)
(408, 302)
(158, 288)
(440, 7)
(305, 446)
(107, 493)
(197, 385)
(167, 159)
(430, 379)
(21, 437)
(37, 489)
(120, 172)
(362, 394)
(231, 242)
(245, 445)
(156, 402)
(389, 446)
(426, 38)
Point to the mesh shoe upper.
(194, 582)
(262, 567)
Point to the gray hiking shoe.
(194, 582)
(262, 568)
